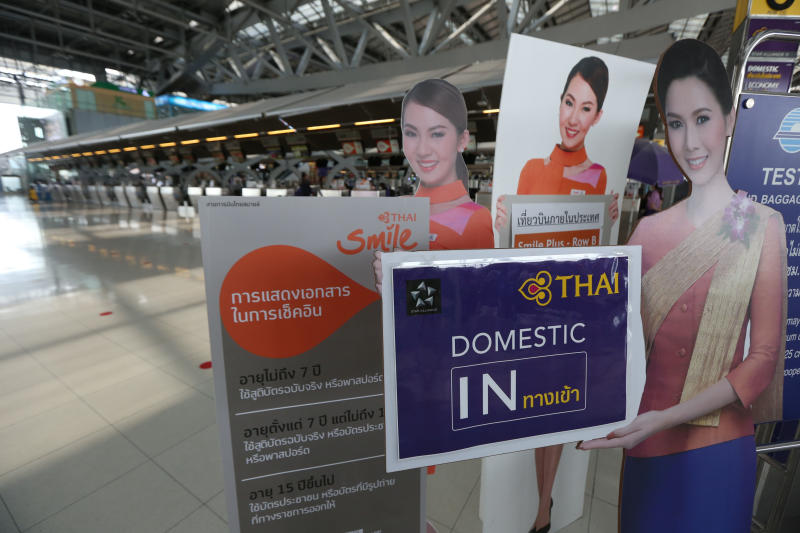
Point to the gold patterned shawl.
(725, 308)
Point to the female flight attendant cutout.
(710, 264)
(567, 170)
(434, 125)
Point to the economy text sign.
(493, 351)
(294, 321)
(765, 162)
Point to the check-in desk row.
(167, 198)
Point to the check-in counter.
(102, 193)
(155, 198)
(251, 191)
(168, 197)
(76, 194)
(213, 191)
(194, 194)
(132, 194)
(58, 193)
(119, 192)
(277, 192)
(364, 194)
(331, 193)
(94, 195)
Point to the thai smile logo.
(394, 237)
(537, 288)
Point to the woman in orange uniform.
(710, 264)
(568, 170)
(434, 123)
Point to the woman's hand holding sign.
(646, 424)
(501, 216)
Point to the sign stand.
(765, 112)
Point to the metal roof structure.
(243, 50)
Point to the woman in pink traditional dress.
(710, 264)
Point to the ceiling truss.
(246, 49)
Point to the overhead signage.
(187, 154)
(387, 146)
(234, 148)
(492, 351)
(293, 317)
(764, 163)
(352, 148)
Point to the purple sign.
(764, 162)
(495, 351)
(774, 48)
(768, 77)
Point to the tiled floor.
(106, 420)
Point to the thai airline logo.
(788, 134)
(537, 288)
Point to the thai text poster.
(509, 350)
(764, 162)
(295, 332)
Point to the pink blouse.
(672, 349)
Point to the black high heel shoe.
(546, 527)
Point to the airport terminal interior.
(121, 116)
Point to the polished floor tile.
(182, 460)
(202, 520)
(123, 399)
(145, 499)
(108, 421)
(39, 435)
(67, 475)
(160, 427)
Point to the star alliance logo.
(423, 296)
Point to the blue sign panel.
(765, 162)
(494, 351)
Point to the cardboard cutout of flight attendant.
(434, 125)
(710, 264)
(550, 120)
